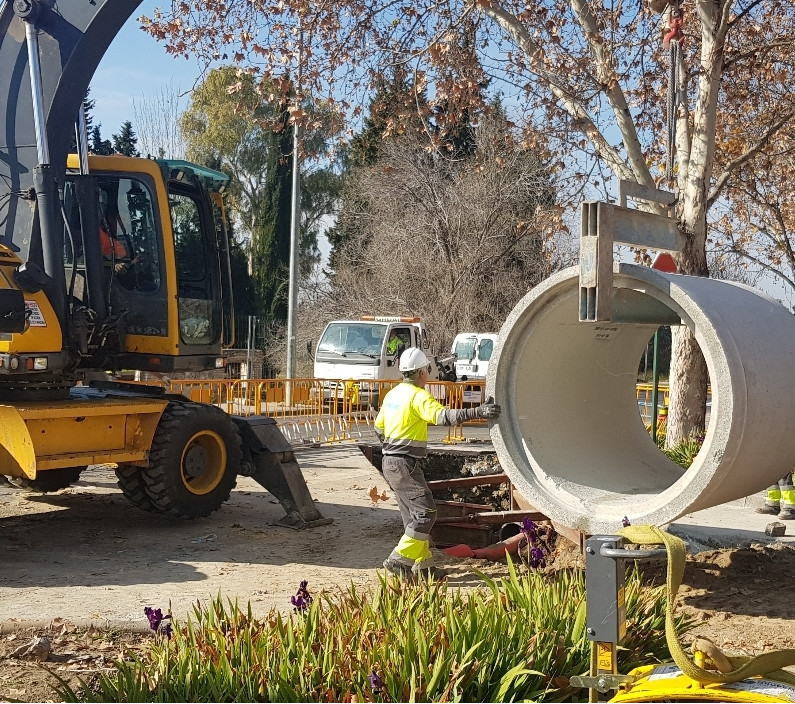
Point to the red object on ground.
(664, 262)
(459, 551)
(491, 552)
(499, 550)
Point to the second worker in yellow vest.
(402, 425)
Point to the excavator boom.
(72, 38)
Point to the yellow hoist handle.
(768, 664)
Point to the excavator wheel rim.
(203, 462)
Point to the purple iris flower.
(302, 598)
(376, 683)
(156, 619)
(530, 529)
(538, 558)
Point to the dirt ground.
(80, 565)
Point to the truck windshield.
(465, 349)
(352, 338)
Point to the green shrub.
(515, 639)
(684, 453)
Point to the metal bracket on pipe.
(605, 224)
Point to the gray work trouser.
(417, 508)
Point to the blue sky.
(135, 67)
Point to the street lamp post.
(295, 231)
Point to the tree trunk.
(688, 376)
(688, 384)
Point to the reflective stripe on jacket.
(403, 419)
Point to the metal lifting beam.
(606, 224)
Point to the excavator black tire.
(49, 480)
(131, 482)
(194, 460)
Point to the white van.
(368, 348)
(473, 351)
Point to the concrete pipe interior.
(571, 437)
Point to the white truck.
(369, 348)
(473, 351)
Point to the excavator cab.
(147, 260)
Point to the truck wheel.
(132, 485)
(193, 461)
(49, 480)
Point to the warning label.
(35, 317)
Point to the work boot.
(437, 574)
(398, 569)
(771, 509)
(787, 513)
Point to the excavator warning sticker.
(35, 316)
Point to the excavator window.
(199, 314)
(127, 232)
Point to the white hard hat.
(412, 359)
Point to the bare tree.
(157, 117)
(758, 232)
(615, 82)
(456, 241)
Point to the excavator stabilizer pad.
(262, 433)
(272, 464)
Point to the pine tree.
(393, 110)
(97, 145)
(87, 107)
(125, 142)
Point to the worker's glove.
(489, 410)
(121, 267)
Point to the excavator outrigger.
(110, 263)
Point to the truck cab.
(473, 351)
(368, 348)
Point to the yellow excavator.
(111, 263)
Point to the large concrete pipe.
(571, 437)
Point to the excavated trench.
(441, 465)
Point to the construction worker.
(394, 344)
(781, 499)
(402, 425)
(112, 247)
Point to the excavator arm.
(48, 54)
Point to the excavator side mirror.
(12, 310)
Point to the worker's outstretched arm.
(450, 416)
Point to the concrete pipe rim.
(662, 491)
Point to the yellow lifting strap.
(769, 664)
